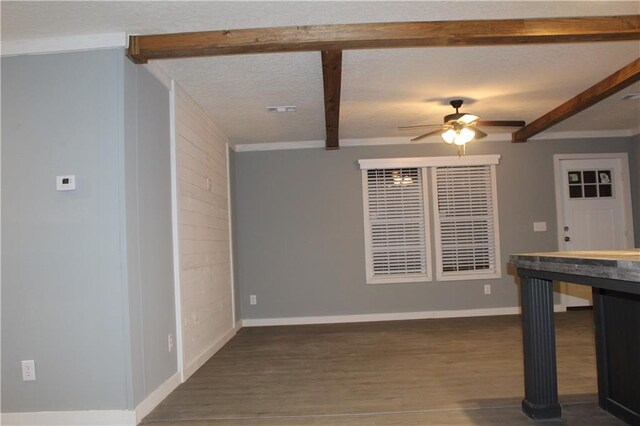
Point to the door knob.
(567, 239)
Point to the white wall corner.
(70, 418)
(157, 396)
(63, 44)
(231, 242)
(175, 226)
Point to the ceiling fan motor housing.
(456, 103)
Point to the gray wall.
(149, 239)
(300, 235)
(62, 289)
(87, 282)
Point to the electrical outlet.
(170, 342)
(487, 289)
(539, 226)
(28, 370)
(253, 300)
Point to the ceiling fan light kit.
(460, 128)
(458, 137)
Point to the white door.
(594, 213)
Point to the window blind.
(396, 224)
(465, 219)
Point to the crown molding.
(63, 44)
(586, 134)
(400, 140)
(276, 146)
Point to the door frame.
(625, 192)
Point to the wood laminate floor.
(460, 371)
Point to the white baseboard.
(156, 397)
(261, 322)
(193, 366)
(64, 418)
(131, 418)
(94, 417)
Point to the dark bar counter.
(614, 276)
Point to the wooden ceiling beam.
(617, 81)
(332, 79)
(384, 35)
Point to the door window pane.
(575, 191)
(590, 191)
(590, 183)
(589, 176)
(605, 191)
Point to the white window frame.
(496, 271)
(407, 278)
(424, 163)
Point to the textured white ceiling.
(381, 89)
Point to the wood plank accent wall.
(203, 216)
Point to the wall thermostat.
(66, 183)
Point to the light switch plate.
(65, 183)
(539, 226)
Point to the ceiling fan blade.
(419, 126)
(501, 123)
(479, 134)
(468, 118)
(417, 138)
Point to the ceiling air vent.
(631, 97)
(289, 108)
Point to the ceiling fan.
(460, 128)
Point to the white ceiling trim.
(495, 137)
(587, 134)
(63, 44)
(276, 146)
(392, 140)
